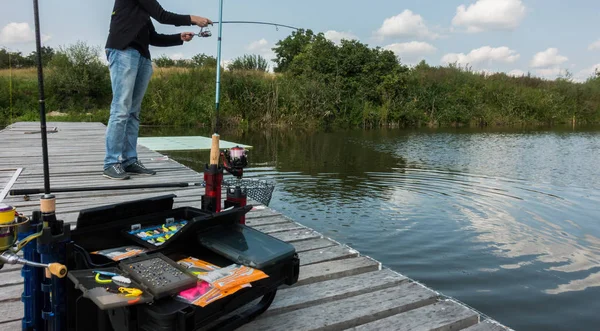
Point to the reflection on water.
(506, 221)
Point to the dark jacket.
(129, 17)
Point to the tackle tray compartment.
(85, 281)
(103, 228)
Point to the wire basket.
(259, 190)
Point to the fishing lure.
(131, 292)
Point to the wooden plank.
(281, 227)
(10, 183)
(11, 326)
(9, 267)
(256, 220)
(11, 311)
(326, 254)
(262, 212)
(296, 235)
(350, 312)
(442, 316)
(11, 293)
(336, 269)
(487, 326)
(318, 293)
(312, 244)
(10, 278)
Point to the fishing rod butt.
(57, 270)
(214, 149)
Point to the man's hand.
(187, 36)
(200, 21)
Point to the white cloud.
(176, 56)
(411, 52)
(594, 45)
(258, 45)
(548, 58)
(337, 36)
(484, 54)
(262, 48)
(19, 33)
(586, 73)
(412, 48)
(516, 73)
(405, 24)
(490, 15)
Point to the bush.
(249, 62)
(78, 80)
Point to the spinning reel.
(235, 160)
(10, 222)
(204, 33)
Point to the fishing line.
(10, 84)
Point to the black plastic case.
(102, 228)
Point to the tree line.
(315, 82)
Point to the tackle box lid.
(99, 215)
(244, 245)
(190, 229)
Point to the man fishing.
(130, 64)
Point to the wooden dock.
(338, 288)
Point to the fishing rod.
(205, 33)
(26, 192)
(213, 173)
(42, 97)
(258, 22)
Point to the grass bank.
(375, 92)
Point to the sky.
(546, 38)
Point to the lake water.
(506, 221)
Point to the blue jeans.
(130, 74)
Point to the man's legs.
(123, 65)
(133, 123)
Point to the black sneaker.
(137, 168)
(116, 172)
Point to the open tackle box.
(108, 242)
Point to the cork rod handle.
(214, 150)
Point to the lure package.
(121, 253)
(232, 277)
(196, 266)
(216, 283)
(159, 234)
(204, 294)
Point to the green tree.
(164, 62)
(47, 55)
(290, 47)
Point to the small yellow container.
(8, 223)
